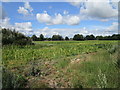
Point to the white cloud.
(26, 10)
(76, 2)
(43, 18)
(27, 6)
(48, 32)
(57, 19)
(105, 30)
(5, 23)
(113, 28)
(23, 11)
(114, 3)
(70, 32)
(26, 26)
(101, 10)
(73, 20)
(65, 12)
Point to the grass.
(93, 70)
(93, 63)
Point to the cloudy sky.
(64, 18)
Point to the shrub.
(13, 37)
(9, 80)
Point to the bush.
(9, 80)
(13, 37)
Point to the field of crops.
(48, 64)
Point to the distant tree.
(115, 37)
(78, 37)
(66, 38)
(90, 37)
(41, 38)
(99, 37)
(57, 37)
(107, 38)
(48, 39)
(34, 38)
(71, 39)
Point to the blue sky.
(64, 18)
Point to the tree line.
(77, 37)
(14, 37)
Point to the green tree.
(99, 37)
(90, 37)
(41, 38)
(66, 38)
(34, 38)
(115, 37)
(57, 38)
(78, 37)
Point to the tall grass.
(99, 71)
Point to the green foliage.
(9, 80)
(66, 38)
(49, 39)
(93, 57)
(118, 62)
(41, 37)
(113, 37)
(13, 37)
(98, 71)
(57, 37)
(34, 38)
(78, 37)
(35, 72)
(62, 63)
(77, 83)
(90, 37)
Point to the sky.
(63, 18)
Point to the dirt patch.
(82, 57)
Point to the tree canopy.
(66, 38)
(78, 37)
(90, 37)
(57, 37)
(14, 37)
(41, 38)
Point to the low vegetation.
(62, 64)
(65, 64)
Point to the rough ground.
(48, 75)
(43, 73)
